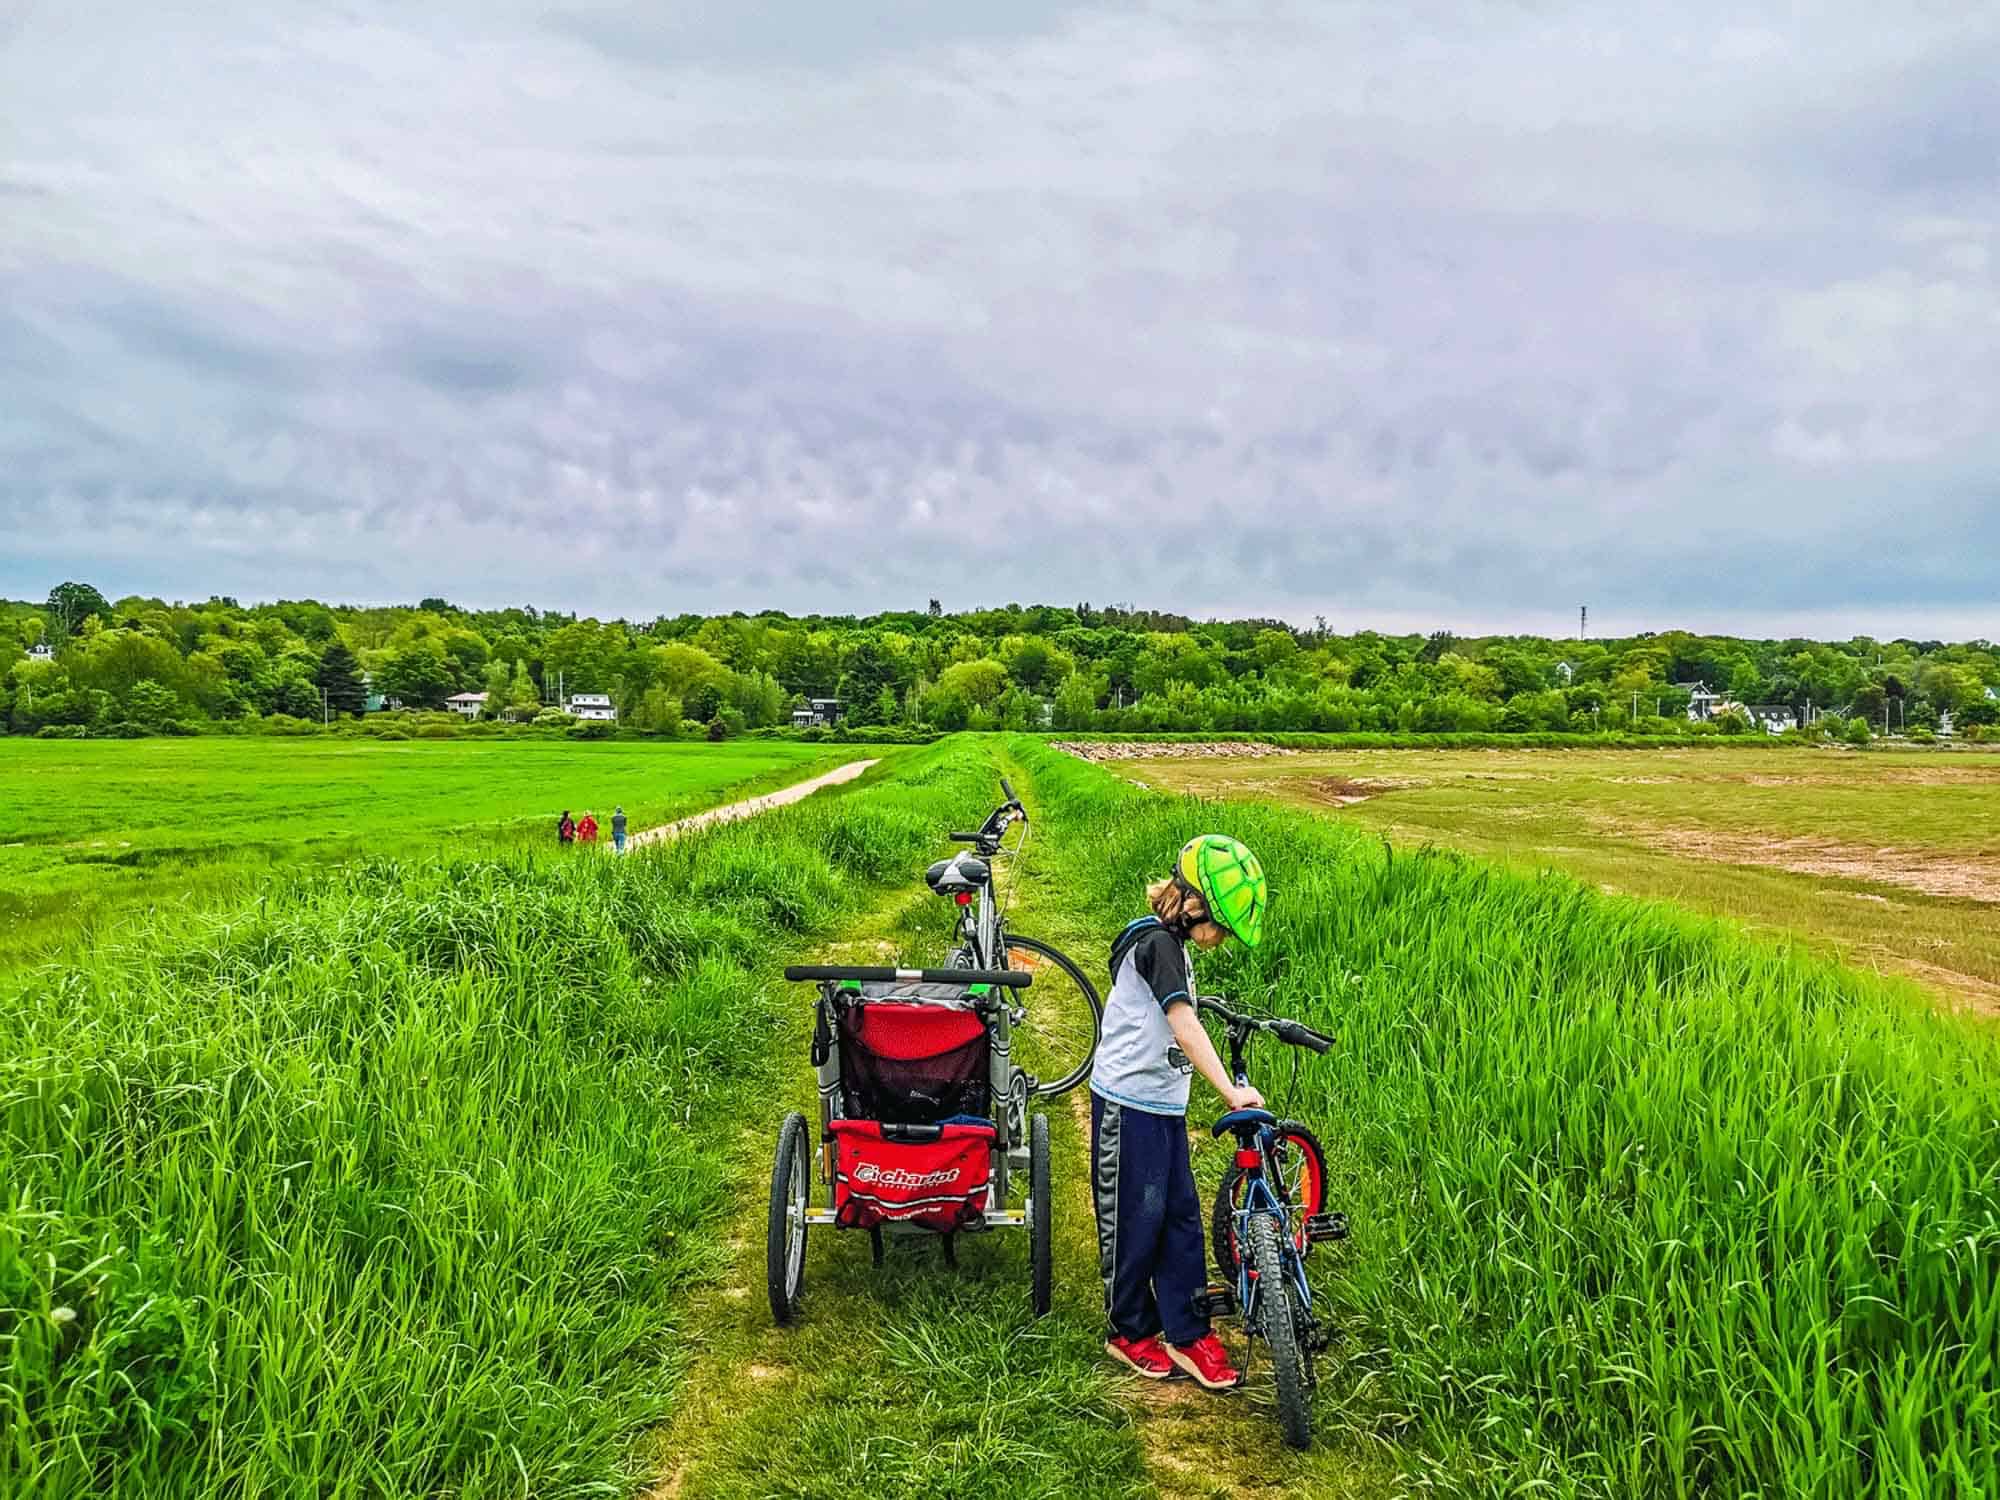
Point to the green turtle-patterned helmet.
(1230, 881)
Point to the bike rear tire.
(1064, 1015)
(1280, 1330)
(1304, 1194)
(785, 1236)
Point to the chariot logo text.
(896, 1177)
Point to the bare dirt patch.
(1103, 750)
(1958, 877)
(1344, 791)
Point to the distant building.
(373, 702)
(41, 651)
(1772, 718)
(817, 713)
(1704, 703)
(1568, 672)
(592, 706)
(468, 704)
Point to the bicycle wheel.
(1280, 1330)
(785, 1240)
(1058, 1039)
(1300, 1182)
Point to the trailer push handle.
(1012, 979)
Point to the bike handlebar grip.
(1215, 1007)
(966, 838)
(1301, 1036)
(1008, 789)
(1010, 979)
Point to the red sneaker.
(1146, 1356)
(1207, 1361)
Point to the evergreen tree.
(339, 675)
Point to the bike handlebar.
(1292, 1033)
(1012, 979)
(1300, 1036)
(997, 822)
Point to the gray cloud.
(1447, 313)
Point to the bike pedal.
(1215, 1301)
(1323, 1227)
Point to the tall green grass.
(390, 1182)
(1642, 1207)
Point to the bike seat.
(1244, 1121)
(962, 872)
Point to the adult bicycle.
(1056, 1028)
(1269, 1213)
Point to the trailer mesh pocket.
(912, 1064)
(939, 1182)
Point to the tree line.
(81, 663)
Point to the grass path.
(919, 1379)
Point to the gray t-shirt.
(1139, 1064)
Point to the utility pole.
(1582, 621)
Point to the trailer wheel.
(1040, 1208)
(785, 1244)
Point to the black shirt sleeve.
(1163, 965)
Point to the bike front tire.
(1274, 1320)
(1064, 1016)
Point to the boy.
(1149, 1236)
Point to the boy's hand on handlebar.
(1242, 1096)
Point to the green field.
(90, 826)
(1890, 860)
(445, 1174)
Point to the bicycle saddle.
(962, 872)
(1243, 1120)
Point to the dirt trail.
(750, 807)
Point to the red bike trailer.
(924, 1126)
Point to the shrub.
(590, 729)
(284, 724)
(60, 732)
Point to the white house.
(591, 706)
(1704, 703)
(1772, 718)
(468, 704)
(41, 651)
(817, 713)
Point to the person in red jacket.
(586, 831)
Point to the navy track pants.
(1149, 1247)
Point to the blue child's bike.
(1269, 1213)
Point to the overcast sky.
(1413, 313)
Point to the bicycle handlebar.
(1300, 1036)
(997, 822)
(1291, 1033)
(1012, 979)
